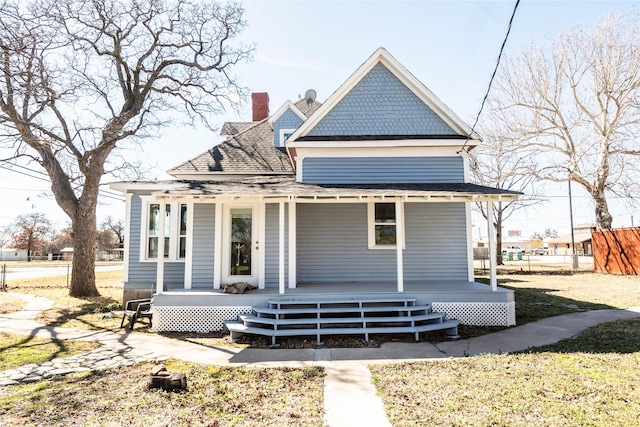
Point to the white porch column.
(188, 261)
(127, 237)
(293, 219)
(262, 243)
(217, 247)
(399, 244)
(281, 248)
(160, 259)
(493, 280)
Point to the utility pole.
(574, 257)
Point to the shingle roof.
(307, 110)
(233, 128)
(285, 185)
(250, 151)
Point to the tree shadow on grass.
(96, 313)
(32, 349)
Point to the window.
(284, 135)
(175, 231)
(382, 225)
(182, 245)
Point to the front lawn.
(17, 350)
(591, 379)
(216, 396)
(78, 313)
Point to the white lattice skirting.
(194, 319)
(479, 313)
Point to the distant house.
(562, 245)
(12, 254)
(364, 195)
(66, 254)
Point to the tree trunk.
(83, 275)
(603, 217)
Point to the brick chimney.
(260, 105)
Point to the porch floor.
(358, 288)
(444, 291)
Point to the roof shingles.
(250, 151)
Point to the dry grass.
(549, 389)
(9, 304)
(79, 313)
(568, 383)
(216, 397)
(540, 295)
(613, 291)
(17, 350)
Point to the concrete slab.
(350, 398)
(534, 334)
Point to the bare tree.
(81, 78)
(111, 235)
(549, 233)
(116, 227)
(498, 165)
(5, 235)
(63, 238)
(574, 106)
(30, 233)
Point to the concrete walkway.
(350, 397)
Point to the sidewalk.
(349, 394)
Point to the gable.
(382, 101)
(380, 104)
(288, 120)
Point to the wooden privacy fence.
(617, 251)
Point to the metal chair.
(137, 309)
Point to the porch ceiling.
(286, 187)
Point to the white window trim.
(281, 141)
(174, 230)
(371, 219)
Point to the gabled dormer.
(289, 117)
(382, 125)
(285, 121)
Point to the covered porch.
(284, 254)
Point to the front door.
(240, 260)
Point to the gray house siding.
(145, 272)
(203, 245)
(333, 246)
(382, 170)
(272, 245)
(380, 104)
(436, 242)
(288, 120)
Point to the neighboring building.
(366, 194)
(66, 254)
(12, 254)
(561, 245)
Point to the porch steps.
(341, 316)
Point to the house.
(66, 254)
(12, 254)
(581, 236)
(366, 194)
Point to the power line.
(495, 70)
(104, 193)
(46, 177)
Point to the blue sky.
(451, 46)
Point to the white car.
(542, 250)
(513, 250)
